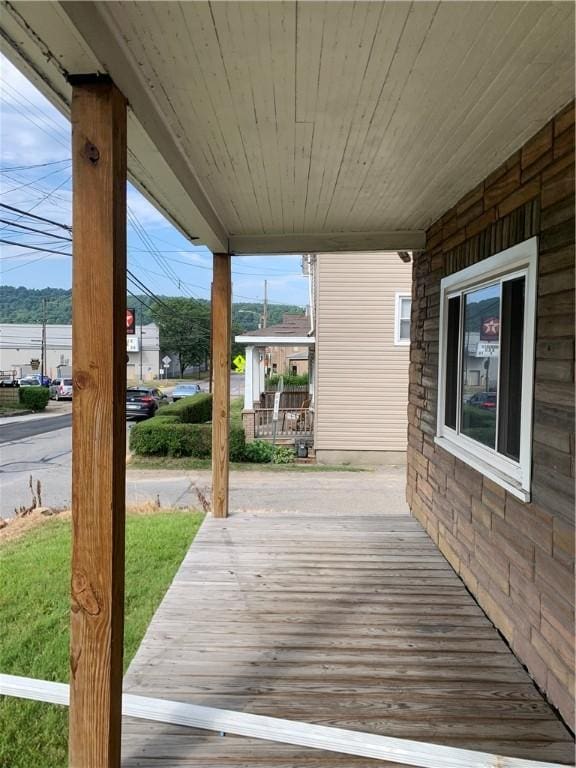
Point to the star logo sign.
(491, 327)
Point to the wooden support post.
(98, 422)
(221, 346)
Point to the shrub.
(283, 454)
(237, 443)
(163, 437)
(35, 398)
(259, 452)
(290, 380)
(196, 409)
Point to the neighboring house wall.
(361, 373)
(280, 357)
(516, 558)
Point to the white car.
(61, 389)
(29, 381)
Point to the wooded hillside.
(24, 305)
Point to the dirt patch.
(17, 527)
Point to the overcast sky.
(33, 133)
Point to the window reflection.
(480, 358)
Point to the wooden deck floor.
(356, 622)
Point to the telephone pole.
(43, 354)
(265, 308)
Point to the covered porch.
(274, 128)
(352, 620)
(293, 420)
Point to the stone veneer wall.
(517, 559)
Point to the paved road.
(17, 431)
(41, 447)
(46, 456)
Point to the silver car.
(61, 389)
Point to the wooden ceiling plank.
(408, 49)
(335, 20)
(363, 122)
(215, 90)
(409, 132)
(488, 122)
(345, 87)
(508, 21)
(282, 39)
(341, 43)
(234, 47)
(205, 143)
(309, 43)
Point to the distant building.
(21, 350)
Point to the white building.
(21, 350)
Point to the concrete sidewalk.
(54, 408)
(380, 490)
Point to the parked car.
(29, 381)
(486, 400)
(45, 381)
(61, 389)
(185, 390)
(143, 402)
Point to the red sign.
(130, 322)
(490, 329)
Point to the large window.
(486, 366)
(402, 318)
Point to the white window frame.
(397, 317)
(514, 476)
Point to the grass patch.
(13, 409)
(34, 618)
(187, 463)
(236, 408)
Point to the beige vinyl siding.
(362, 375)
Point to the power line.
(53, 133)
(31, 183)
(35, 165)
(34, 216)
(31, 229)
(34, 248)
(155, 253)
(19, 266)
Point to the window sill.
(500, 478)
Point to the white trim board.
(276, 341)
(403, 751)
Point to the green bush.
(237, 443)
(163, 437)
(259, 452)
(290, 380)
(283, 454)
(35, 398)
(196, 409)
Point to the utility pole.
(43, 355)
(265, 308)
(141, 333)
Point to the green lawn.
(34, 604)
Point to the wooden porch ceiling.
(294, 127)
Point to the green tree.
(184, 326)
